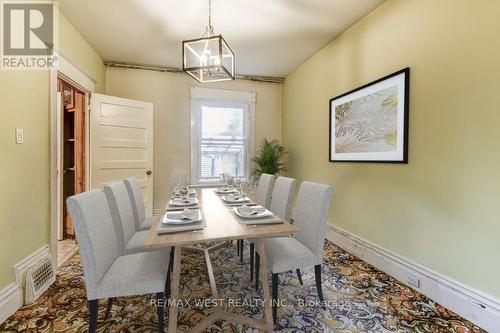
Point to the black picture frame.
(406, 107)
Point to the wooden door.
(72, 138)
(121, 143)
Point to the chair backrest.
(121, 211)
(264, 190)
(95, 233)
(311, 215)
(281, 199)
(134, 192)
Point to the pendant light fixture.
(209, 58)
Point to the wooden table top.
(222, 225)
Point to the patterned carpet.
(359, 299)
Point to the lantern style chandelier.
(209, 58)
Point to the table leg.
(174, 287)
(211, 277)
(268, 314)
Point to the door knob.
(149, 172)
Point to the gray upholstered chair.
(262, 197)
(107, 272)
(122, 213)
(281, 206)
(134, 191)
(264, 190)
(305, 249)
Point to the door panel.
(121, 143)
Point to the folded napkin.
(234, 196)
(183, 201)
(186, 214)
(179, 195)
(224, 189)
(250, 210)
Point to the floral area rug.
(358, 298)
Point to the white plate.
(265, 213)
(225, 191)
(192, 201)
(240, 199)
(175, 217)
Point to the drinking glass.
(237, 183)
(243, 188)
(253, 187)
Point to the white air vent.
(38, 279)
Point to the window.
(222, 136)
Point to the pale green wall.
(79, 50)
(24, 169)
(442, 210)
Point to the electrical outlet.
(19, 135)
(413, 280)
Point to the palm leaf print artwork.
(370, 123)
(367, 124)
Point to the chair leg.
(242, 242)
(93, 310)
(317, 276)
(275, 283)
(299, 276)
(257, 267)
(171, 262)
(252, 255)
(167, 285)
(238, 247)
(160, 304)
(108, 307)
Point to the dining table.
(221, 226)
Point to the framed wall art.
(370, 123)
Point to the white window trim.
(205, 94)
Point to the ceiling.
(269, 38)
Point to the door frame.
(68, 70)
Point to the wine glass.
(175, 186)
(237, 183)
(230, 181)
(184, 186)
(252, 186)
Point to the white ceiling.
(268, 37)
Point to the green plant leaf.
(270, 158)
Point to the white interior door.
(121, 143)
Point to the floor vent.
(38, 279)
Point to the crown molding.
(259, 78)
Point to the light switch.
(19, 135)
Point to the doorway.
(71, 135)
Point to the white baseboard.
(12, 296)
(478, 307)
(11, 299)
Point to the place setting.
(235, 199)
(182, 203)
(229, 184)
(179, 221)
(182, 195)
(255, 214)
(231, 192)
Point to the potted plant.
(270, 158)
